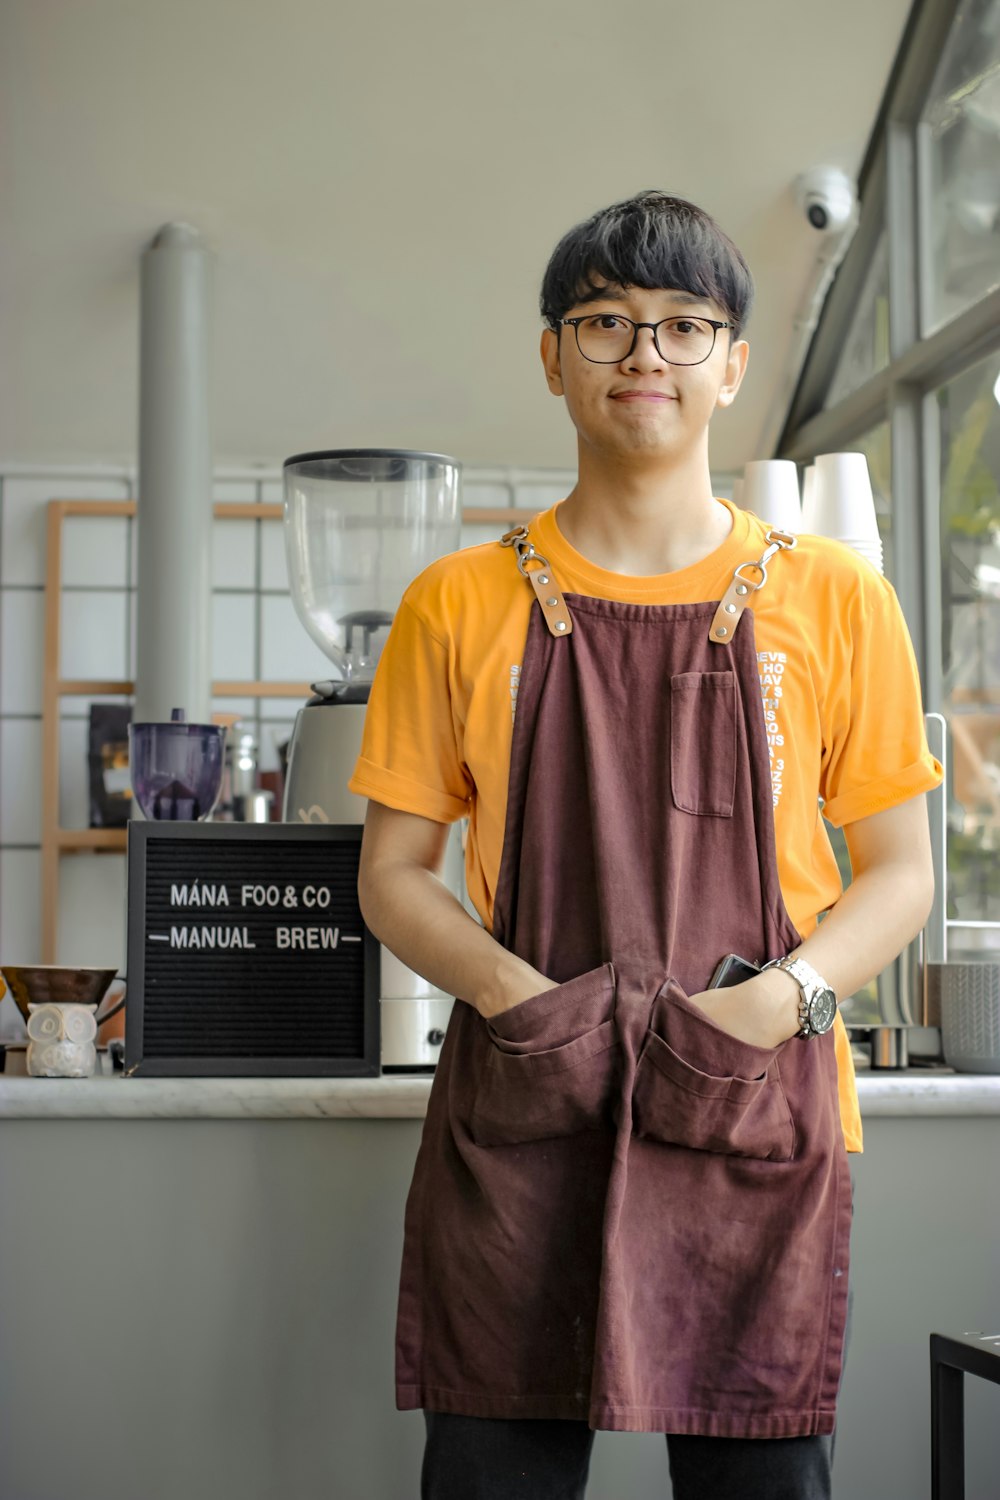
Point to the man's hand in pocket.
(763, 1011)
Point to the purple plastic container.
(176, 768)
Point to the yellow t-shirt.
(839, 683)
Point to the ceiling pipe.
(173, 667)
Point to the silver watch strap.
(810, 984)
(802, 972)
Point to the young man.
(631, 1204)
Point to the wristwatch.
(817, 1002)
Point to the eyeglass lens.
(605, 339)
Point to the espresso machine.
(360, 524)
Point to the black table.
(952, 1356)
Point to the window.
(959, 141)
(969, 411)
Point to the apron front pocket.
(703, 742)
(553, 1064)
(709, 1091)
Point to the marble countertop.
(910, 1092)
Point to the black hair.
(652, 241)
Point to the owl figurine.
(61, 1040)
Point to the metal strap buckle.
(777, 541)
(525, 550)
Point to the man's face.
(673, 425)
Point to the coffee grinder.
(360, 524)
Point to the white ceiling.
(382, 187)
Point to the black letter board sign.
(247, 952)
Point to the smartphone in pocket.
(732, 970)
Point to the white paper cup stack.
(839, 504)
(771, 491)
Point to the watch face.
(822, 1009)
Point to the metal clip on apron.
(547, 591)
(737, 596)
(619, 1212)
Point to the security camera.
(826, 196)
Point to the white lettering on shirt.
(771, 669)
(515, 678)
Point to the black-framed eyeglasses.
(608, 338)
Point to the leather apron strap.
(548, 593)
(724, 622)
(737, 596)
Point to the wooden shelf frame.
(57, 841)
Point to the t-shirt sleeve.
(875, 751)
(410, 749)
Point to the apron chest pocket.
(703, 742)
(553, 1064)
(715, 1093)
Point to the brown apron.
(619, 1213)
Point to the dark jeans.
(491, 1458)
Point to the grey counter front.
(199, 1282)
